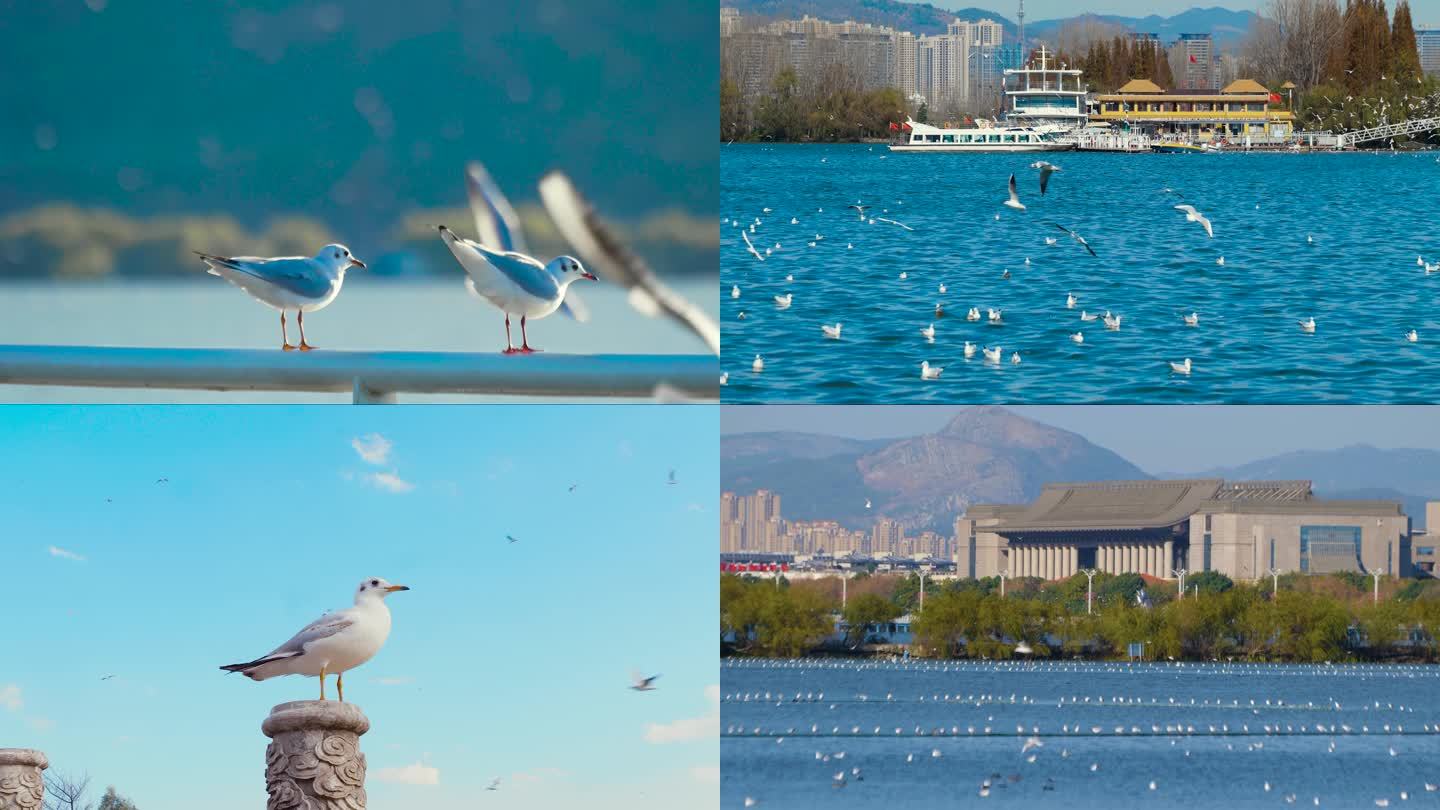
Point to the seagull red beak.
(589, 275)
(354, 262)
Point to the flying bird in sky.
(643, 684)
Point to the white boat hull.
(979, 147)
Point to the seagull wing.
(1209, 231)
(578, 223)
(488, 269)
(296, 274)
(1189, 209)
(496, 222)
(1045, 172)
(323, 627)
(1014, 195)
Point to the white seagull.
(1077, 237)
(1180, 368)
(973, 314)
(759, 364)
(992, 355)
(1412, 336)
(832, 332)
(334, 643)
(784, 301)
(1308, 326)
(969, 350)
(1078, 337)
(1193, 319)
(929, 372)
(1046, 169)
(928, 332)
(1071, 301)
(1085, 316)
(1191, 215)
(1014, 201)
(735, 291)
(515, 283)
(640, 684)
(1112, 321)
(288, 283)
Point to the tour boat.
(1045, 97)
(982, 137)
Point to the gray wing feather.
(496, 222)
(323, 627)
(298, 275)
(529, 274)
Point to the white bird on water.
(1307, 326)
(1085, 316)
(1071, 301)
(1412, 336)
(1112, 322)
(992, 355)
(1015, 358)
(832, 332)
(1014, 201)
(969, 350)
(1181, 368)
(973, 314)
(1078, 337)
(759, 364)
(942, 288)
(1220, 261)
(334, 643)
(994, 315)
(735, 291)
(929, 372)
(784, 301)
(928, 332)
(293, 283)
(515, 283)
(1193, 319)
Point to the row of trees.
(1109, 65)
(67, 792)
(1306, 619)
(832, 106)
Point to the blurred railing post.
(22, 783)
(314, 757)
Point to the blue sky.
(1421, 10)
(506, 660)
(1168, 438)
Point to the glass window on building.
(1205, 548)
(1325, 549)
(1425, 550)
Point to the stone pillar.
(1102, 558)
(22, 787)
(1074, 561)
(1169, 558)
(1052, 563)
(314, 757)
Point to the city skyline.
(1215, 437)
(155, 544)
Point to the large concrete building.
(1427, 41)
(1197, 55)
(1240, 529)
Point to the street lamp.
(1089, 587)
(1180, 572)
(1376, 576)
(1274, 582)
(1003, 575)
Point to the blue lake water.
(931, 748)
(1368, 217)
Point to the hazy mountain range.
(991, 455)
(1227, 26)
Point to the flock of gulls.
(928, 334)
(1237, 725)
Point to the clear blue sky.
(1422, 11)
(507, 660)
(1159, 438)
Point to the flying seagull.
(288, 283)
(512, 539)
(1077, 237)
(162, 480)
(1191, 215)
(573, 486)
(1046, 169)
(336, 642)
(643, 684)
(1014, 201)
(577, 222)
(494, 784)
(515, 283)
(672, 478)
(858, 207)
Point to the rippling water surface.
(1369, 216)
(1210, 747)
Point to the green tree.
(114, 801)
(1404, 52)
(865, 610)
(732, 112)
(923, 116)
(1210, 582)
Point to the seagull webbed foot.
(286, 347)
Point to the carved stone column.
(314, 760)
(22, 787)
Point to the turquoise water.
(1329, 236)
(1219, 751)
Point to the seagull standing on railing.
(289, 282)
(336, 642)
(515, 283)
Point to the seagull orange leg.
(524, 342)
(509, 347)
(284, 336)
(300, 319)
(322, 682)
(340, 686)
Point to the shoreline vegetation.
(1307, 619)
(1351, 68)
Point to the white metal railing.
(1388, 131)
(371, 377)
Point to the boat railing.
(369, 377)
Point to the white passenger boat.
(1045, 97)
(983, 137)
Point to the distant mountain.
(1357, 471)
(1227, 26)
(984, 455)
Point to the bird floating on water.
(784, 301)
(992, 355)
(1307, 326)
(1181, 368)
(832, 332)
(929, 372)
(759, 364)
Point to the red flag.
(905, 125)
(1274, 98)
(894, 127)
(1192, 59)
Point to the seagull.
(973, 314)
(724, 378)
(1308, 326)
(162, 480)
(784, 301)
(1085, 316)
(858, 207)
(994, 315)
(992, 355)
(289, 282)
(929, 372)
(494, 784)
(1046, 169)
(672, 480)
(1078, 337)
(512, 538)
(1050, 240)
(336, 642)
(1015, 358)
(1181, 368)
(735, 291)
(969, 350)
(759, 364)
(1220, 261)
(1077, 237)
(1191, 215)
(643, 684)
(1070, 301)
(942, 288)
(928, 332)
(1193, 319)
(573, 486)
(107, 677)
(514, 282)
(1014, 201)
(1412, 336)
(1112, 322)
(832, 332)
(867, 503)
